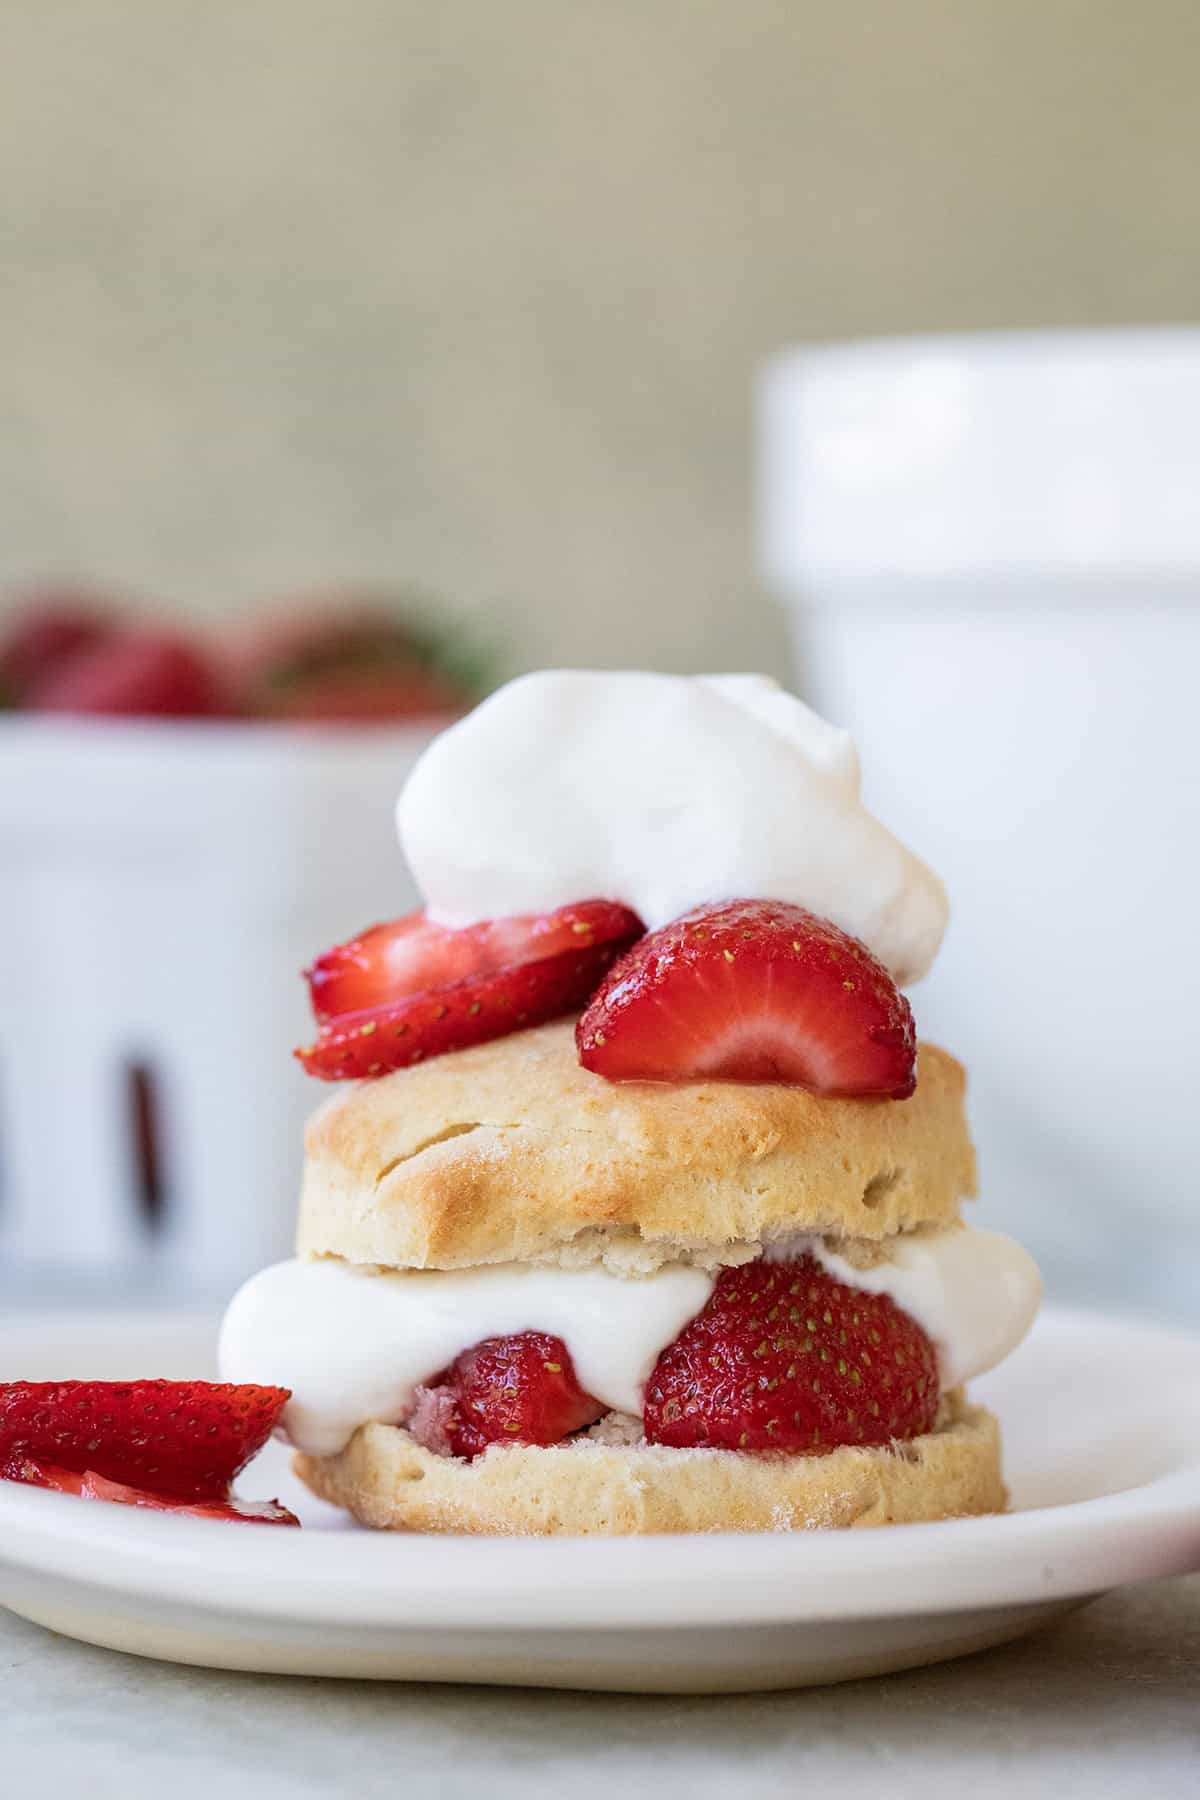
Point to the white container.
(992, 549)
(161, 887)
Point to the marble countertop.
(1103, 1705)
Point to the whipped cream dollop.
(664, 792)
(354, 1345)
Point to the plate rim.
(689, 1579)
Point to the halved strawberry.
(752, 990)
(783, 1357)
(407, 1031)
(91, 1486)
(185, 1439)
(506, 1390)
(415, 955)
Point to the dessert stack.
(637, 1206)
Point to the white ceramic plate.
(1102, 1425)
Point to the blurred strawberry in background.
(350, 658)
(139, 673)
(230, 788)
(340, 657)
(48, 627)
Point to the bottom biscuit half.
(590, 1488)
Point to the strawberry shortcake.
(638, 1208)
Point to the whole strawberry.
(350, 658)
(783, 1357)
(48, 629)
(135, 673)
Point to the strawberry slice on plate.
(506, 1390)
(783, 1357)
(91, 1486)
(752, 990)
(412, 989)
(415, 955)
(185, 1440)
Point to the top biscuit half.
(513, 1152)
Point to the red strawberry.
(752, 990)
(249, 1512)
(48, 630)
(366, 697)
(187, 1439)
(785, 1358)
(90, 1486)
(138, 673)
(414, 955)
(345, 658)
(406, 1031)
(506, 1390)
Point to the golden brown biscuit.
(514, 1152)
(590, 1488)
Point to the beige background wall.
(474, 292)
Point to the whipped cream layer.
(354, 1345)
(663, 792)
(975, 1294)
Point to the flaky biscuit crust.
(587, 1489)
(512, 1152)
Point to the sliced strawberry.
(783, 1357)
(90, 1486)
(186, 1439)
(506, 1390)
(140, 673)
(752, 990)
(252, 1512)
(415, 955)
(32, 1473)
(407, 1031)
